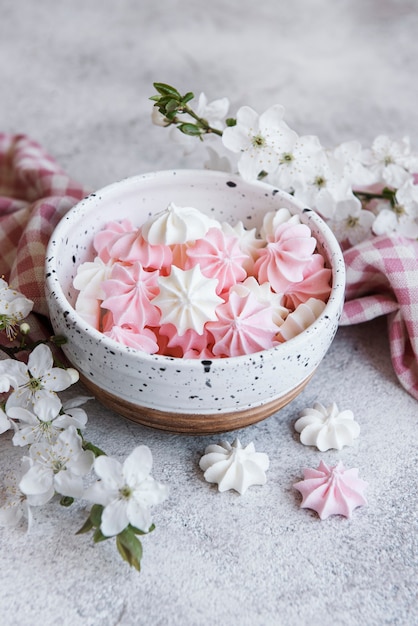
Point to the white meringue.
(233, 467)
(327, 427)
(177, 225)
(273, 219)
(302, 317)
(187, 299)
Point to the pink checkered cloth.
(34, 194)
(382, 279)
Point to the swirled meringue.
(283, 260)
(244, 326)
(299, 320)
(233, 467)
(187, 299)
(177, 225)
(219, 256)
(331, 490)
(273, 219)
(327, 427)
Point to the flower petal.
(137, 465)
(114, 518)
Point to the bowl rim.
(332, 308)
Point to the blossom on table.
(35, 382)
(127, 491)
(232, 466)
(14, 504)
(327, 427)
(332, 490)
(57, 467)
(14, 307)
(44, 422)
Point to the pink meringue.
(139, 338)
(219, 256)
(104, 239)
(285, 257)
(244, 326)
(189, 341)
(331, 490)
(316, 283)
(128, 294)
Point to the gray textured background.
(76, 76)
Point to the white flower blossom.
(14, 504)
(14, 307)
(259, 139)
(45, 422)
(126, 491)
(350, 154)
(351, 222)
(35, 381)
(213, 112)
(5, 422)
(390, 161)
(296, 162)
(57, 467)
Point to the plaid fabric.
(34, 194)
(382, 278)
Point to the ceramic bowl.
(185, 395)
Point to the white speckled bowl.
(185, 395)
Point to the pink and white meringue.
(218, 256)
(273, 219)
(128, 294)
(327, 427)
(243, 326)
(285, 257)
(234, 467)
(332, 490)
(187, 299)
(316, 283)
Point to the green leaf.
(165, 90)
(96, 514)
(187, 97)
(190, 129)
(172, 105)
(138, 531)
(87, 445)
(59, 340)
(86, 527)
(130, 547)
(66, 501)
(231, 121)
(99, 536)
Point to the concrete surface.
(76, 76)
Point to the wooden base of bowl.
(192, 423)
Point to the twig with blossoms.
(360, 192)
(58, 458)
